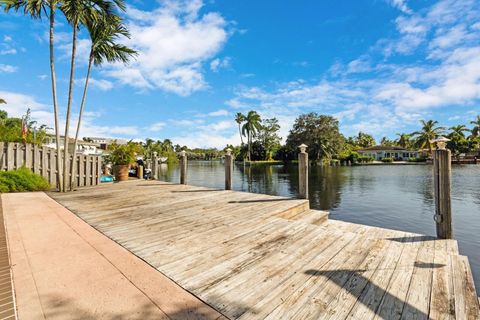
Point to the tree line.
(325, 141)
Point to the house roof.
(384, 148)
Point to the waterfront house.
(394, 152)
(83, 147)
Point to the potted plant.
(122, 157)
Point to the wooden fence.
(43, 161)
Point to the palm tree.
(404, 140)
(78, 13)
(253, 124)
(103, 34)
(239, 119)
(35, 8)
(458, 131)
(2, 101)
(476, 127)
(429, 131)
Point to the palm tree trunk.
(249, 141)
(54, 95)
(69, 106)
(240, 132)
(80, 114)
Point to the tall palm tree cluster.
(252, 124)
(431, 130)
(102, 20)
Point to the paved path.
(65, 269)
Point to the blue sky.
(379, 66)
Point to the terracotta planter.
(121, 172)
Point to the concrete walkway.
(65, 269)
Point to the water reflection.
(395, 197)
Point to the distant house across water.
(396, 153)
(83, 147)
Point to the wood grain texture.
(253, 256)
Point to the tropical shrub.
(387, 159)
(364, 159)
(124, 154)
(22, 180)
(417, 159)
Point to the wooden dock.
(253, 256)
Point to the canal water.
(396, 197)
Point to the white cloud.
(218, 113)
(101, 84)
(206, 140)
(218, 63)
(6, 47)
(18, 103)
(156, 126)
(400, 5)
(173, 42)
(8, 51)
(6, 68)
(186, 122)
(219, 126)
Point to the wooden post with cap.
(183, 167)
(228, 169)
(155, 165)
(442, 172)
(303, 172)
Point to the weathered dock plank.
(254, 256)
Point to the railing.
(42, 160)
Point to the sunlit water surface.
(395, 197)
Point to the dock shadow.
(413, 239)
(428, 265)
(151, 185)
(260, 200)
(188, 191)
(393, 306)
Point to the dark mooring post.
(303, 172)
(183, 167)
(228, 169)
(442, 172)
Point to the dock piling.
(442, 172)
(155, 165)
(303, 172)
(183, 167)
(228, 169)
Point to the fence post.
(228, 169)
(183, 167)
(303, 172)
(155, 165)
(442, 172)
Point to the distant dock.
(252, 256)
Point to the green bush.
(22, 180)
(387, 160)
(363, 159)
(417, 159)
